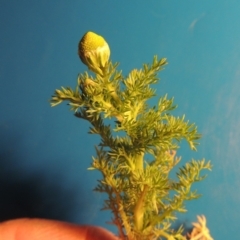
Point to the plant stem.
(139, 162)
(139, 210)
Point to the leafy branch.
(138, 148)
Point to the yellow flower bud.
(94, 52)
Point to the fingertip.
(40, 229)
(99, 233)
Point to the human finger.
(40, 229)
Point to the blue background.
(45, 151)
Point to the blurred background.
(45, 152)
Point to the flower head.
(94, 52)
(200, 230)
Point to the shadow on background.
(39, 194)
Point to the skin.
(40, 229)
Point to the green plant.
(138, 148)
